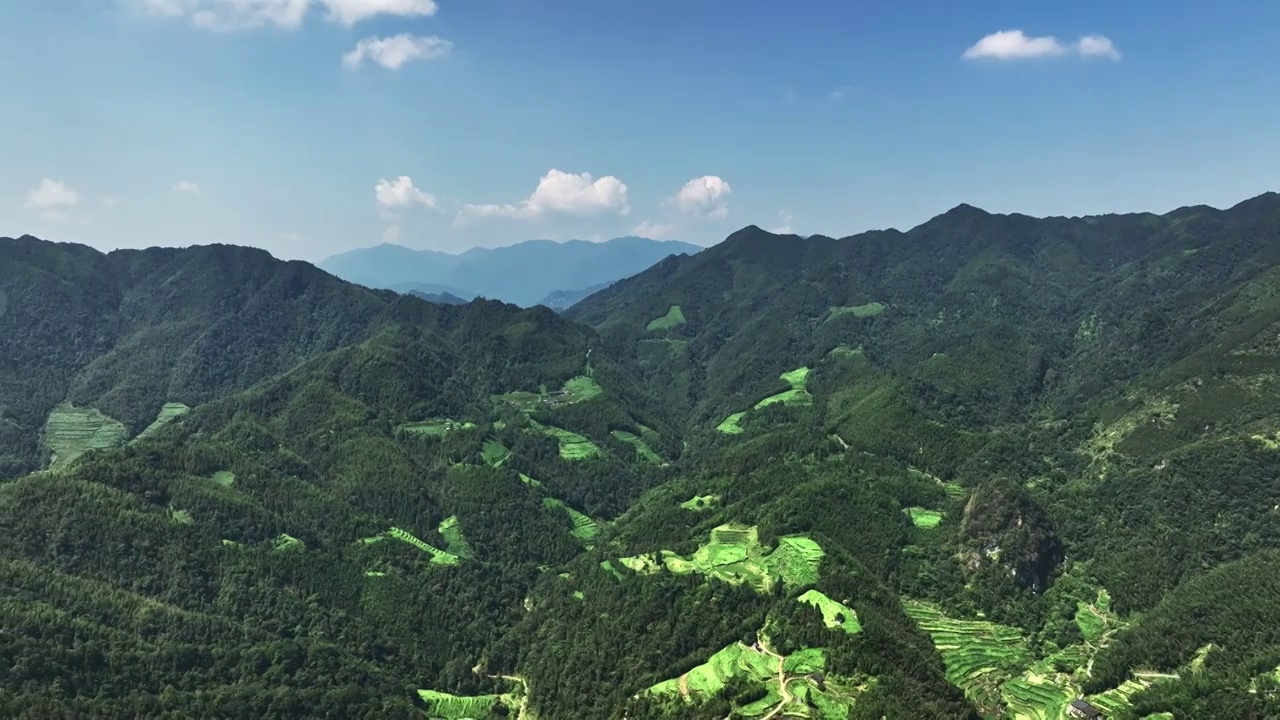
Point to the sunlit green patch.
(457, 707)
(374, 573)
(289, 542)
(452, 534)
(168, 413)
(181, 517)
(797, 395)
(954, 490)
(834, 614)
(701, 502)
(529, 481)
(494, 453)
(225, 478)
(979, 655)
(435, 427)
(862, 311)
(732, 424)
(438, 556)
(923, 518)
(642, 448)
(584, 528)
(734, 555)
(577, 595)
(572, 445)
(581, 388)
(673, 318)
(609, 566)
(72, 431)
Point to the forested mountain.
(525, 273)
(982, 468)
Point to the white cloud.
(839, 93)
(246, 14)
(1017, 45)
(1097, 46)
(653, 230)
(784, 228)
(184, 186)
(401, 194)
(707, 196)
(109, 201)
(561, 192)
(51, 195)
(392, 52)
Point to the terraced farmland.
(456, 707)
(734, 555)
(923, 518)
(438, 556)
(979, 655)
(72, 431)
(452, 534)
(494, 453)
(572, 445)
(435, 427)
(732, 424)
(642, 448)
(834, 614)
(168, 413)
(797, 395)
(673, 318)
(584, 528)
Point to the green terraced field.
(529, 481)
(289, 542)
(438, 556)
(452, 534)
(732, 424)
(673, 318)
(798, 394)
(572, 445)
(923, 518)
(456, 707)
(979, 655)
(435, 427)
(734, 555)
(72, 431)
(1041, 700)
(584, 528)
(642, 447)
(862, 311)
(834, 614)
(168, 413)
(701, 502)
(494, 453)
(580, 389)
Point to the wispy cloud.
(393, 52)
(186, 187)
(230, 15)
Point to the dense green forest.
(982, 468)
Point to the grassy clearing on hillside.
(288, 542)
(168, 413)
(72, 431)
(494, 453)
(673, 318)
(923, 518)
(861, 311)
(435, 427)
(797, 395)
(584, 528)
(732, 424)
(225, 478)
(529, 481)
(642, 447)
(575, 390)
(793, 686)
(572, 445)
(734, 555)
(701, 502)
(438, 556)
(834, 614)
(452, 534)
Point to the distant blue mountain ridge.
(529, 273)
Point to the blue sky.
(130, 123)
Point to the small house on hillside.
(1083, 709)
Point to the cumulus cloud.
(561, 192)
(707, 196)
(392, 52)
(187, 187)
(246, 14)
(400, 194)
(1017, 45)
(654, 230)
(1097, 46)
(53, 200)
(784, 228)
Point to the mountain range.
(526, 273)
(990, 466)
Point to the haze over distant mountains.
(527, 273)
